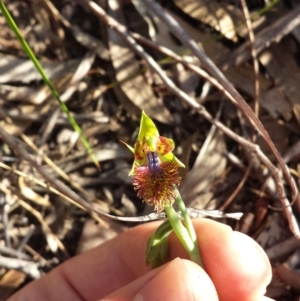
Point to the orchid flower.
(155, 168)
(155, 173)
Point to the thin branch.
(253, 54)
(61, 173)
(26, 238)
(55, 241)
(171, 54)
(13, 253)
(122, 30)
(29, 268)
(270, 34)
(237, 189)
(4, 208)
(62, 190)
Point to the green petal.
(128, 146)
(170, 157)
(180, 164)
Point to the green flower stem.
(183, 235)
(186, 217)
(188, 223)
(47, 81)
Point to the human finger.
(179, 279)
(120, 261)
(237, 265)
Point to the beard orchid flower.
(155, 168)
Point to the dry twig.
(273, 33)
(237, 189)
(27, 267)
(253, 54)
(13, 253)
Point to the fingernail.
(179, 280)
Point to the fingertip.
(253, 269)
(178, 280)
(200, 285)
(236, 263)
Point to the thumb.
(177, 280)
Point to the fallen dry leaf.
(207, 168)
(211, 13)
(128, 73)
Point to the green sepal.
(148, 131)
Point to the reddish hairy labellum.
(155, 181)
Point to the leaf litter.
(106, 97)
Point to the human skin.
(236, 269)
